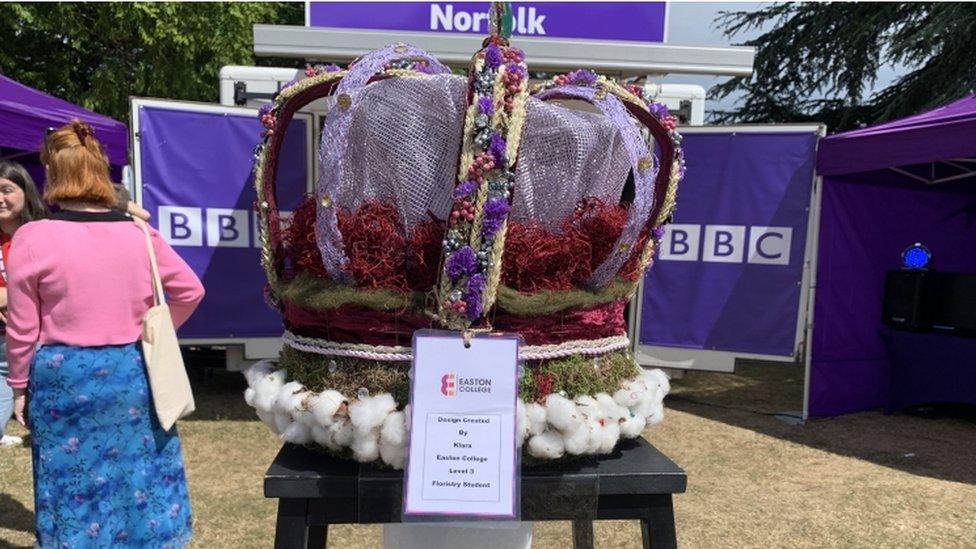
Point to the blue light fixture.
(916, 256)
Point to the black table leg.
(291, 532)
(657, 526)
(582, 534)
(318, 536)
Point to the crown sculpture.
(463, 203)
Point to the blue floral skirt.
(105, 473)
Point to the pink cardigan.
(86, 283)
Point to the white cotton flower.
(646, 403)
(323, 437)
(562, 413)
(588, 407)
(626, 397)
(612, 411)
(342, 432)
(296, 433)
(323, 407)
(258, 370)
(548, 445)
(365, 446)
(282, 421)
(249, 396)
(595, 441)
(291, 400)
(609, 434)
(536, 414)
(633, 425)
(268, 418)
(266, 389)
(659, 378)
(394, 430)
(656, 414)
(393, 455)
(577, 442)
(367, 414)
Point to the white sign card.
(462, 458)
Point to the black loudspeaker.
(909, 299)
(955, 302)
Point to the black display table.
(635, 482)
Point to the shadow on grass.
(14, 516)
(935, 446)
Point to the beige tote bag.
(168, 381)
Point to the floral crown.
(464, 203)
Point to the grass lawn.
(753, 481)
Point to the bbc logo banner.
(727, 244)
(210, 227)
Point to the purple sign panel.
(641, 21)
(197, 183)
(728, 274)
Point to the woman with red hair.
(79, 283)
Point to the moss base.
(574, 376)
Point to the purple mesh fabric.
(643, 179)
(332, 152)
(404, 140)
(566, 154)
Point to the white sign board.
(462, 458)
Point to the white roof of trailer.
(548, 54)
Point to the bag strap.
(159, 297)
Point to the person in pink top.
(79, 283)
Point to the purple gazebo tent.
(884, 188)
(25, 115)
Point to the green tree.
(99, 54)
(819, 61)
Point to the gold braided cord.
(513, 137)
(264, 232)
(264, 228)
(671, 196)
(516, 123)
(495, 268)
(510, 125)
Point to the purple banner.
(641, 21)
(728, 274)
(197, 183)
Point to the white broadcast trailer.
(244, 88)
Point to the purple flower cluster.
(493, 56)
(659, 110)
(465, 189)
(582, 77)
(476, 285)
(461, 263)
(424, 67)
(496, 209)
(658, 232)
(518, 70)
(264, 109)
(486, 105)
(497, 149)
